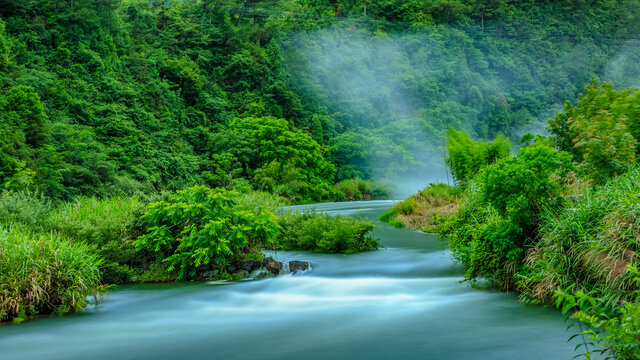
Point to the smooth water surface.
(402, 302)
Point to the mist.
(402, 91)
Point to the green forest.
(161, 140)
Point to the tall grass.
(104, 224)
(43, 274)
(27, 208)
(256, 200)
(590, 245)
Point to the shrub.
(200, 226)
(504, 205)
(603, 331)
(601, 130)
(43, 274)
(467, 157)
(313, 231)
(30, 209)
(358, 189)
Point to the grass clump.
(426, 210)
(44, 274)
(29, 209)
(317, 232)
(105, 224)
(590, 245)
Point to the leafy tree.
(601, 130)
(467, 157)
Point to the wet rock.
(296, 265)
(273, 266)
(267, 260)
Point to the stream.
(405, 301)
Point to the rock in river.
(296, 265)
(273, 266)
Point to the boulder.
(273, 266)
(296, 265)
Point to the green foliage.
(588, 245)
(288, 163)
(601, 130)
(612, 334)
(27, 209)
(110, 98)
(104, 224)
(498, 221)
(200, 226)
(467, 157)
(44, 274)
(323, 233)
(358, 189)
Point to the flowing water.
(405, 301)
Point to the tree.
(466, 157)
(601, 131)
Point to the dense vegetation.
(53, 256)
(43, 273)
(558, 220)
(116, 97)
(323, 233)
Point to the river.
(405, 301)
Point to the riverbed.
(405, 301)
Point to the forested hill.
(113, 97)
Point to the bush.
(323, 233)
(258, 200)
(604, 331)
(504, 206)
(199, 227)
(358, 189)
(43, 274)
(601, 130)
(467, 157)
(31, 210)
